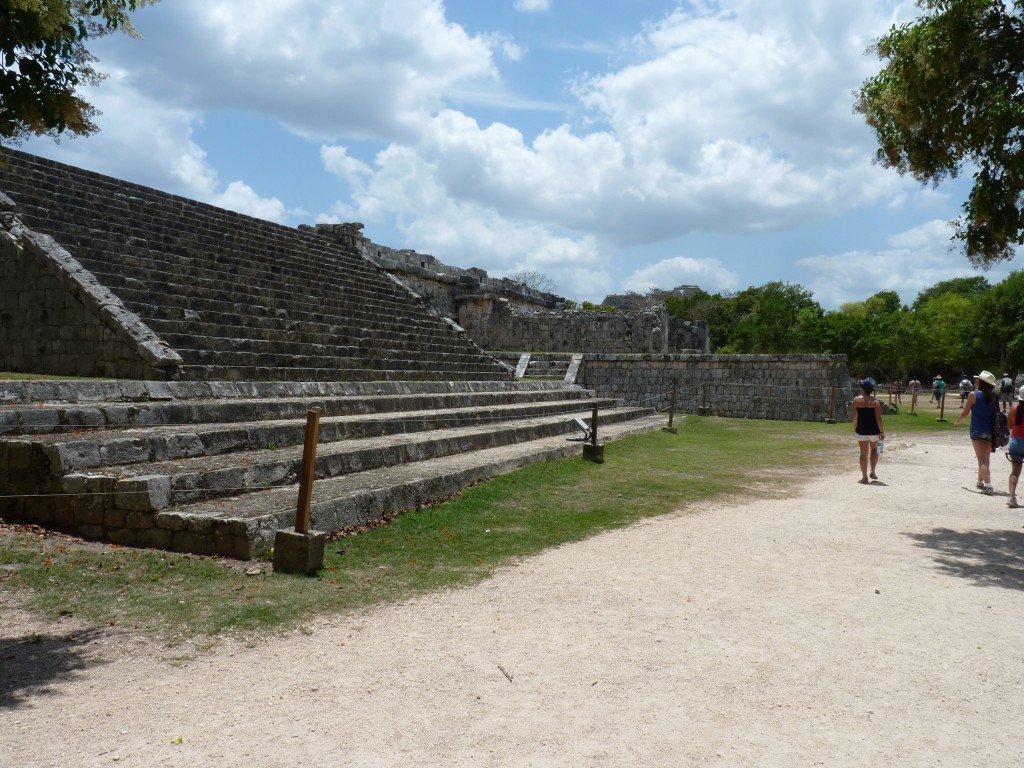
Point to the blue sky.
(611, 146)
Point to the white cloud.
(362, 68)
(710, 274)
(915, 259)
(149, 143)
(240, 197)
(532, 6)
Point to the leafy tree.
(44, 59)
(764, 320)
(945, 328)
(1000, 327)
(971, 287)
(949, 94)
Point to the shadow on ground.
(32, 665)
(991, 558)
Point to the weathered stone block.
(299, 552)
(145, 493)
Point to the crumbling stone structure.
(503, 315)
(107, 278)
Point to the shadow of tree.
(991, 558)
(30, 665)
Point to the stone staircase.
(211, 467)
(240, 299)
(542, 366)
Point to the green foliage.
(44, 59)
(971, 287)
(1000, 323)
(950, 94)
(587, 306)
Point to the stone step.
(84, 448)
(327, 330)
(211, 401)
(191, 479)
(423, 373)
(126, 498)
(244, 526)
(243, 303)
(164, 278)
(443, 354)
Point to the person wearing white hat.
(982, 404)
(1015, 448)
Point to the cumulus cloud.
(710, 274)
(150, 143)
(914, 259)
(532, 6)
(366, 68)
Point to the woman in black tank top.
(866, 415)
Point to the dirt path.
(853, 625)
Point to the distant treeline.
(956, 326)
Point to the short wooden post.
(302, 550)
(672, 409)
(913, 402)
(831, 406)
(942, 407)
(592, 451)
(308, 471)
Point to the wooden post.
(831, 406)
(913, 402)
(307, 471)
(942, 407)
(672, 409)
(592, 451)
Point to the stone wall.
(503, 315)
(787, 387)
(498, 325)
(56, 319)
(443, 286)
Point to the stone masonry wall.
(502, 315)
(786, 387)
(443, 286)
(52, 322)
(497, 325)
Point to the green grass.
(926, 418)
(452, 544)
(8, 376)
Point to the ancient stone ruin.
(206, 336)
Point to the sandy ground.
(852, 625)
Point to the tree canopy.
(955, 326)
(44, 59)
(951, 94)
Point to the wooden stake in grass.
(306, 472)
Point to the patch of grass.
(8, 376)
(452, 544)
(926, 419)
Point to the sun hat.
(868, 384)
(987, 377)
(1020, 395)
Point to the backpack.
(1000, 431)
(1006, 385)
